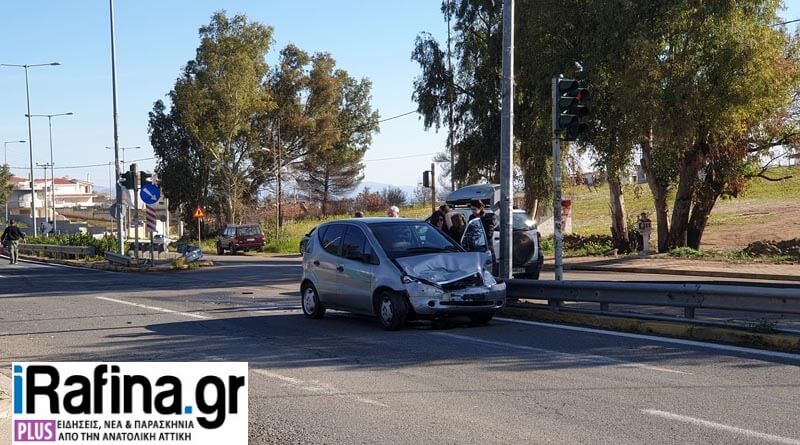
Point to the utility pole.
(120, 241)
(507, 142)
(450, 103)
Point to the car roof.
(374, 220)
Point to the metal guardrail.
(57, 251)
(688, 296)
(116, 258)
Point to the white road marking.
(590, 357)
(723, 427)
(316, 387)
(676, 341)
(155, 308)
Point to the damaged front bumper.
(431, 300)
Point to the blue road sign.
(150, 193)
(115, 210)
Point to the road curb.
(5, 397)
(665, 271)
(111, 267)
(739, 337)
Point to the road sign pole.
(199, 241)
(135, 212)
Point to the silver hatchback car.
(399, 269)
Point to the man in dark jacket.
(10, 238)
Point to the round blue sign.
(150, 193)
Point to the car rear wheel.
(480, 319)
(392, 311)
(312, 307)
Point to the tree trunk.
(659, 190)
(619, 224)
(684, 196)
(706, 198)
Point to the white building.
(69, 194)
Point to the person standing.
(11, 236)
(488, 220)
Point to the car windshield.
(249, 231)
(412, 238)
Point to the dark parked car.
(240, 238)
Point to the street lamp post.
(52, 169)
(30, 136)
(45, 167)
(123, 153)
(5, 161)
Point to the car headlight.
(488, 279)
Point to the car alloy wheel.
(392, 311)
(312, 307)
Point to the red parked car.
(240, 238)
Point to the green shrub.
(686, 252)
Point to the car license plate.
(251, 239)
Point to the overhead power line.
(399, 115)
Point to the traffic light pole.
(558, 238)
(135, 172)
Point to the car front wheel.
(220, 250)
(392, 311)
(312, 307)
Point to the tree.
(333, 168)
(6, 186)
(182, 168)
(472, 87)
(394, 196)
(220, 98)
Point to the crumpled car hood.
(442, 267)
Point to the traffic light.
(126, 180)
(145, 178)
(572, 109)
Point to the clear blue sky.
(369, 38)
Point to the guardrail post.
(554, 305)
(604, 307)
(688, 312)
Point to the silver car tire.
(309, 300)
(392, 311)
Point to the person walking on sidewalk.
(10, 238)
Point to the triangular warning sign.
(199, 213)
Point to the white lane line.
(316, 387)
(567, 355)
(155, 308)
(676, 341)
(723, 427)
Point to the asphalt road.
(343, 379)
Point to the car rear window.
(331, 238)
(249, 231)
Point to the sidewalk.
(663, 264)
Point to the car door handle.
(340, 268)
(316, 263)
